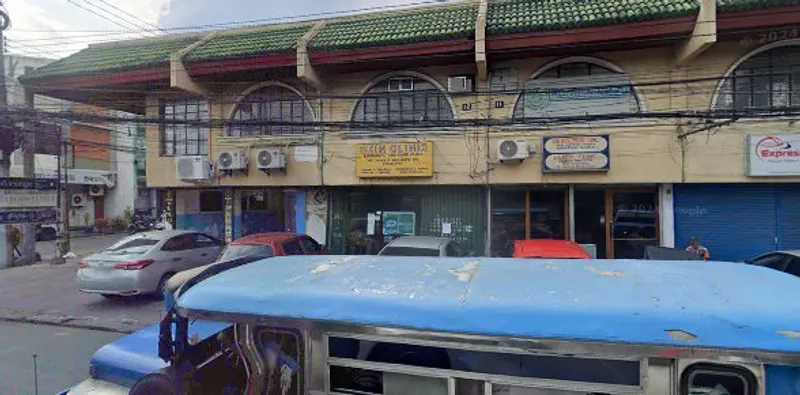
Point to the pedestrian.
(699, 249)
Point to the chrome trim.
(586, 349)
(240, 351)
(256, 383)
(493, 378)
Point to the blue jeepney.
(464, 326)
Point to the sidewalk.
(81, 246)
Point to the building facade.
(483, 121)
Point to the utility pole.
(64, 241)
(7, 258)
(28, 165)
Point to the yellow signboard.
(394, 160)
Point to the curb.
(64, 322)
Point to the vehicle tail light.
(83, 264)
(136, 265)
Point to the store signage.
(576, 154)
(399, 223)
(578, 96)
(80, 177)
(773, 155)
(32, 216)
(27, 183)
(24, 198)
(394, 160)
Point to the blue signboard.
(30, 216)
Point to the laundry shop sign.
(773, 155)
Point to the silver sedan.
(142, 263)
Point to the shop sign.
(576, 154)
(578, 96)
(773, 155)
(80, 177)
(26, 183)
(32, 216)
(394, 160)
(24, 198)
(399, 223)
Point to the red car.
(272, 244)
(549, 249)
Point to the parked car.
(261, 245)
(422, 246)
(344, 325)
(46, 233)
(784, 261)
(549, 249)
(142, 263)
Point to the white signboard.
(20, 198)
(81, 177)
(773, 155)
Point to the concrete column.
(228, 215)
(666, 204)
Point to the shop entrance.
(617, 223)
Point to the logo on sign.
(771, 147)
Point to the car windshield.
(409, 251)
(240, 251)
(132, 245)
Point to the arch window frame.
(264, 110)
(393, 91)
(592, 63)
(792, 95)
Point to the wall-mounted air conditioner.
(460, 83)
(193, 168)
(96, 190)
(232, 160)
(77, 200)
(508, 150)
(271, 160)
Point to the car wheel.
(162, 284)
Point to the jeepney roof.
(718, 304)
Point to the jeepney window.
(282, 352)
(710, 379)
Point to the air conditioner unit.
(512, 150)
(96, 190)
(232, 160)
(78, 200)
(271, 159)
(460, 83)
(193, 168)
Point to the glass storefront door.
(634, 224)
(524, 214)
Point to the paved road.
(62, 356)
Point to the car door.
(208, 248)
(174, 254)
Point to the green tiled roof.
(124, 55)
(746, 5)
(519, 16)
(433, 24)
(249, 43)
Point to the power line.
(98, 14)
(130, 15)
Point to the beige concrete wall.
(642, 151)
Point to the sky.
(57, 28)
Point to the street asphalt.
(47, 294)
(62, 356)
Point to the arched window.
(403, 99)
(765, 81)
(273, 103)
(577, 89)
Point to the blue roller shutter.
(735, 221)
(788, 196)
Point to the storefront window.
(211, 201)
(542, 217)
(635, 224)
(262, 211)
(767, 81)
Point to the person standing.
(699, 249)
